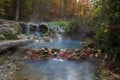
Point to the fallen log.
(11, 44)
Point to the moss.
(10, 31)
(2, 37)
(62, 24)
(1, 21)
(17, 27)
(9, 35)
(1, 60)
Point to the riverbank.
(10, 62)
(13, 61)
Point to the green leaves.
(106, 22)
(63, 24)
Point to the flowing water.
(59, 43)
(58, 69)
(27, 29)
(37, 29)
(63, 44)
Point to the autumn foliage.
(44, 10)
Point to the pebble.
(8, 68)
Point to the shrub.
(78, 29)
(62, 24)
(9, 35)
(102, 39)
(1, 60)
(74, 26)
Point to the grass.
(63, 24)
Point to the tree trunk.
(42, 9)
(61, 10)
(17, 10)
(65, 9)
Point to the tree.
(7, 6)
(107, 33)
(17, 9)
(36, 10)
(61, 9)
(42, 9)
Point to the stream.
(63, 44)
(57, 69)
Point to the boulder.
(10, 30)
(17, 27)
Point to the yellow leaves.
(106, 56)
(99, 51)
(106, 27)
(96, 55)
(97, 10)
(105, 30)
(82, 14)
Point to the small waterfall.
(59, 37)
(27, 29)
(37, 29)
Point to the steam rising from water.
(58, 70)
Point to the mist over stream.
(57, 68)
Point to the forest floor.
(108, 71)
